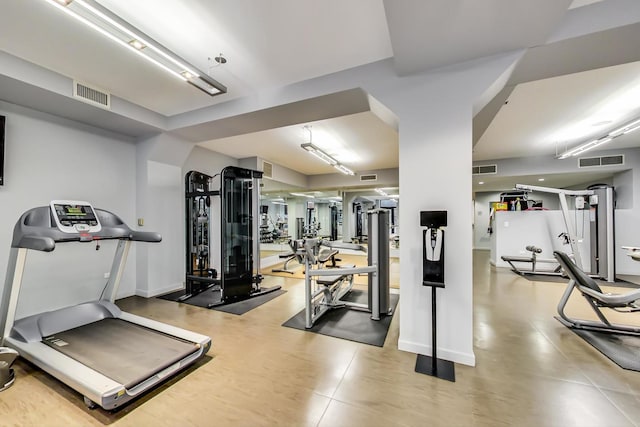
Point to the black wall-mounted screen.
(2, 121)
(433, 219)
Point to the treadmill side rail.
(174, 331)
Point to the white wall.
(514, 231)
(482, 239)
(206, 161)
(51, 158)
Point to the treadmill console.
(72, 216)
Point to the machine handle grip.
(145, 236)
(38, 243)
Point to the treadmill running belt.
(123, 351)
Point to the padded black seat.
(596, 298)
(590, 288)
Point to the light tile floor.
(531, 371)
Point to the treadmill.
(104, 353)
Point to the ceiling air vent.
(484, 169)
(591, 162)
(267, 169)
(370, 177)
(91, 95)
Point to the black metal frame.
(235, 280)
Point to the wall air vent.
(592, 162)
(91, 95)
(369, 177)
(267, 169)
(484, 169)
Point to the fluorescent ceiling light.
(319, 153)
(585, 147)
(623, 130)
(324, 156)
(630, 127)
(381, 192)
(345, 170)
(302, 195)
(119, 31)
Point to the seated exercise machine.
(324, 255)
(597, 299)
(289, 256)
(102, 352)
(533, 260)
(600, 200)
(325, 287)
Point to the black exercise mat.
(622, 349)
(172, 296)
(211, 297)
(241, 307)
(348, 324)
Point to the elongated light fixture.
(589, 145)
(100, 19)
(345, 170)
(324, 156)
(319, 154)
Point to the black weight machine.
(334, 218)
(238, 277)
(360, 217)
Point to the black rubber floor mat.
(244, 306)
(622, 349)
(353, 325)
(210, 298)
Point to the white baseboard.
(156, 292)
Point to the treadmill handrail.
(37, 231)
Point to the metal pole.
(570, 230)
(375, 254)
(434, 353)
(308, 308)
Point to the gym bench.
(533, 259)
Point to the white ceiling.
(358, 141)
(275, 43)
(561, 112)
(266, 43)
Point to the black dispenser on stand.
(433, 276)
